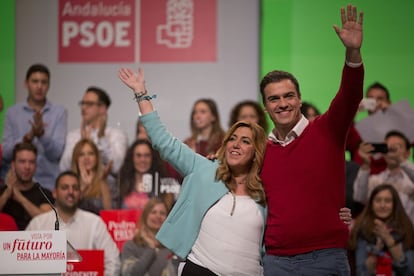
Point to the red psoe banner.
(92, 264)
(96, 31)
(178, 30)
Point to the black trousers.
(192, 269)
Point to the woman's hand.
(135, 81)
(86, 178)
(149, 238)
(345, 215)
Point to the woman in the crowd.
(206, 131)
(383, 234)
(217, 223)
(143, 175)
(309, 110)
(144, 255)
(248, 111)
(141, 133)
(96, 195)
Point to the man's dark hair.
(277, 76)
(37, 68)
(23, 146)
(103, 97)
(396, 133)
(65, 173)
(378, 85)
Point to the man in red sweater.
(303, 170)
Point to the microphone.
(51, 205)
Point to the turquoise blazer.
(198, 193)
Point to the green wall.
(7, 56)
(297, 36)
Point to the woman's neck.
(138, 176)
(240, 181)
(204, 133)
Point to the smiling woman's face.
(142, 158)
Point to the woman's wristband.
(145, 98)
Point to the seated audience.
(395, 173)
(21, 197)
(206, 131)
(143, 176)
(110, 141)
(250, 111)
(144, 254)
(382, 234)
(95, 192)
(84, 230)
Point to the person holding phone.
(399, 172)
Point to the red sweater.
(305, 181)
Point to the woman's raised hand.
(134, 80)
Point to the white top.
(112, 146)
(85, 230)
(229, 244)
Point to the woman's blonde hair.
(95, 189)
(142, 223)
(253, 181)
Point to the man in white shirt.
(399, 171)
(84, 230)
(111, 142)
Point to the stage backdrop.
(189, 49)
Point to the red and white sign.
(33, 252)
(121, 224)
(96, 31)
(178, 30)
(92, 264)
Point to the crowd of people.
(247, 201)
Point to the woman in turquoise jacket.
(218, 220)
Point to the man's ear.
(407, 154)
(103, 110)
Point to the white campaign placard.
(33, 252)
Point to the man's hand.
(102, 120)
(86, 130)
(18, 196)
(10, 181)
(38, 126)
(364, 152)
(351, 32)
(345, 215)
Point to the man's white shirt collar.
(295, 132)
